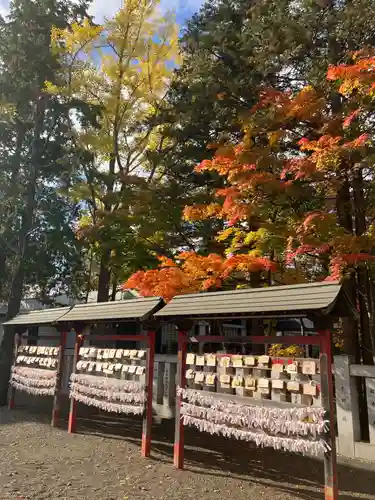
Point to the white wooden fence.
(347, 407)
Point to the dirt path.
(41, 463)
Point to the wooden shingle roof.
(136, 309)
(40, 317)
(289, 300)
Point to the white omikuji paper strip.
(266, 426)
(37, 382)
(316, 414)
(272, 425)
(110, 395)
(35, 391)
(261, 439)
(107, 405)
(106, 383)
(33, 382)
(34, 373)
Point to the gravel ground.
(102, 462)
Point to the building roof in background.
(29, 304)
(63, 300)
(276, 301)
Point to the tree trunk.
(11, 196)
(343, 198)
(344, 219)
(371, 292)
(105, 261)
(16, 290)
(114, 289)
(104, 276)
(3, 277)
(344, 205)
(364, 295)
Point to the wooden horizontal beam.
(41, 337)
(295, 339)
(194, 317)
(104, 338)
(362, 371)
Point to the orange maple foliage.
(359, 77)
(191, 272)
(273, 203)
(349, 119)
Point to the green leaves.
(37, 159)
(122, 69)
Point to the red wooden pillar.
(330, 456)
(12, 391)
(147, 418)
(178, 455)
(72, 424)
(59, 372)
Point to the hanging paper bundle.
(298, 430)
(109, 394)
(35, 381)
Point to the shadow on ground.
(214, 456)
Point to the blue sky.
(184, 8)
(106, 8)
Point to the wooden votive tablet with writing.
(225, 380)
(190, 358)
(292, 367)
(309, 389)
(309, 367)
(237, 381)
(225, 362)
(210, 360)
(199, 360)
(210, 379)
(264, 361)
(249, 361)
(278, 384)
(293, 386)
(237, 361)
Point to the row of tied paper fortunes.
(250, 383)
(254, 422)
(239, 361)
(99, 354)
(109, 368)
(32, 360)
(39, 350)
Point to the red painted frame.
(12, 390)
(60, 365)
(149, 339)
(323, 340)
